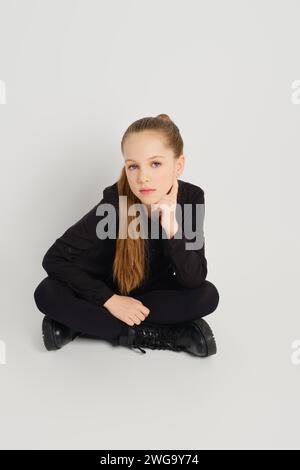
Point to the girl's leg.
(56, 300)
(170, 303)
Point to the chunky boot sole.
(48, 336)
(56, 335)
(207, 334)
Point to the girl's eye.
(130, 166)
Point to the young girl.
(141, 290)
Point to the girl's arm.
(190, 265)
(60, 261)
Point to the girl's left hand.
(166, 207)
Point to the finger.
(134, 318)
(145, 310)
(138, 318)
(142, 307)
(137, 313)
(141, 315)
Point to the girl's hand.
(127, 309)
(166, 207)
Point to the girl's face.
(149, 164)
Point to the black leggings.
(168, 303)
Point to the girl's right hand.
(125, 308)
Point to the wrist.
(108, 302)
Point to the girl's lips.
(146, 191)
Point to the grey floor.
(91, 394)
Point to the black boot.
(194, 337)
(56, 335)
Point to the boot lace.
(158, 337)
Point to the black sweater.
(84, 262)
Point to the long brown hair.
(132, 256)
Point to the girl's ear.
(180, 165)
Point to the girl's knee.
(42, 294)
(211, 295)
(215, 297)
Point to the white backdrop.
(74, 75)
